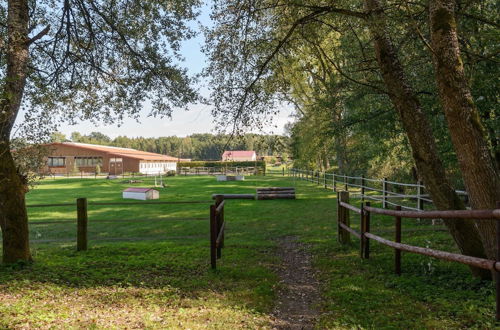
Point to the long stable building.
(64, 157)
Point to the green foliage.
(171, 173)
(327, 71)
(97, 169)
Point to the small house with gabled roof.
(239, 156)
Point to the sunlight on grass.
(152, 271)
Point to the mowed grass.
(148, 267)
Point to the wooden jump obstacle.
(276, 193)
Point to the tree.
(247, 88)
(478, 167)
(58, 137)
(82, 59)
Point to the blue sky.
(197, 120)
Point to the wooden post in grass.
(324, 179)
(82, 220)
(345, 236)
(366, 244)
(339, 216)
(397, 252)
(362, 231)
(333, 182)
(219, 220)
(213, 237)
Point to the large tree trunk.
(13, 216)
(479, 170)
(420, 136)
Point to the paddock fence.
(366, 212)
(221, 170)
(82, 219)
(409, 196)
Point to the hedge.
(259, 164)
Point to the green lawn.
(153, 270)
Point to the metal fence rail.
(386, 188)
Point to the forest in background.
(196, 146)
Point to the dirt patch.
(297, 301)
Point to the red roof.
(122, 152)
(238, 153)
(138, 190)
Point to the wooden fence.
(366, 211)
(220, 170)
(389, 192)
(82, 221)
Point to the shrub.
(97, 169)
(171, 173)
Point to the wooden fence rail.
(82, 220)
(366, 211)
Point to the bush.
(97, 169)
(171, 173)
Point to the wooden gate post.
(397, 252)
(213, 238)
(219, 220)
(345, 236)
(81, 224)
(346, 186)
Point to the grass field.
(152, 271)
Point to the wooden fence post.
(397, 252)
(219, 219)
(213, 237)
(324, 179)
(333, 182)
(420, 201)
(362, 231)
(345, 236)
(362, 188)
(366, 244)
(339, 216)
(346, 186)
(384, 192)
(81, 225)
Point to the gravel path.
(297, 301)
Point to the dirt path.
(297, 301)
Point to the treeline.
(196, 146)
(349, 117)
